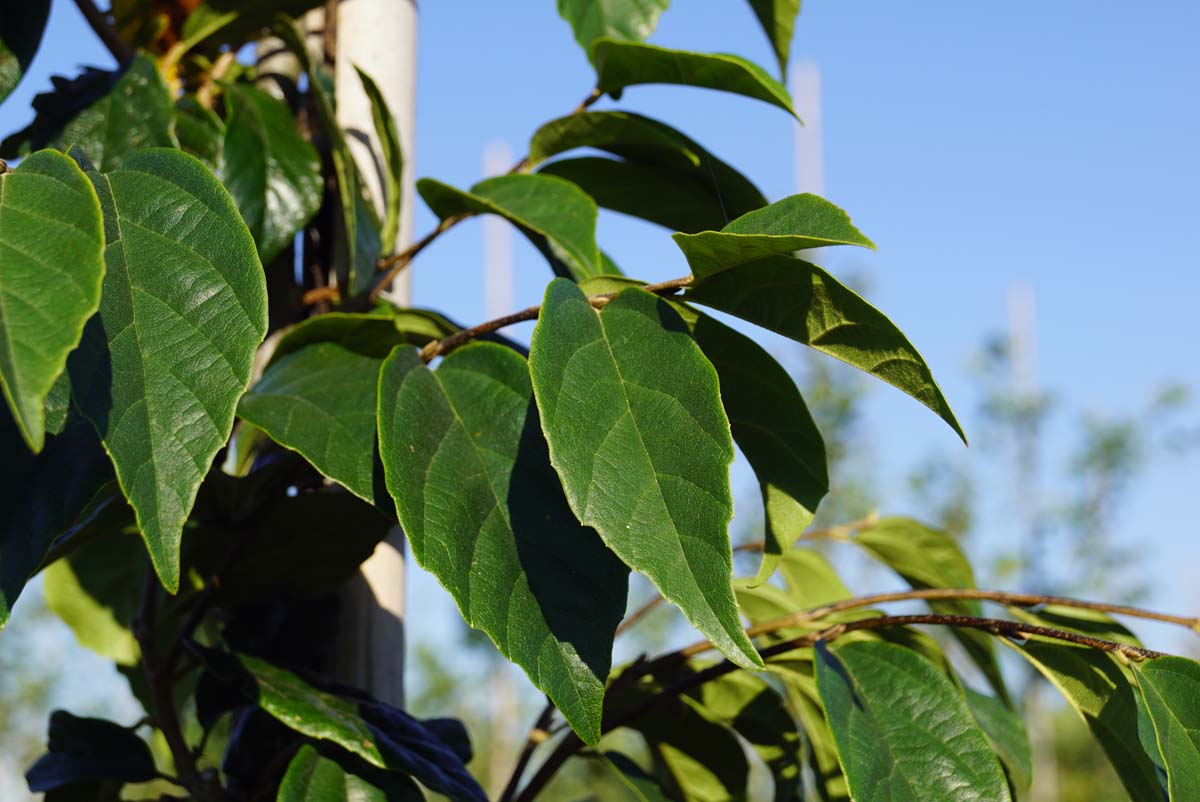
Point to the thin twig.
(997, 626)
(537, 735)
(396, 263)
(459, 338)
(96, 18)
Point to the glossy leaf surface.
(620, 64)
(632, 413)
(1103, 694)
(542, 207)
(778, 20)
(1170, 689)
(801, 301)
(792, 224)
(902, 729)
(51, 266)
(484, 512)
(384, 737)
(1006, 732)
(619, 19)
(158, 373)
(21, 29)
(273, 173)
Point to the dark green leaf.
(641, 785)
(620, 64)
(769, 422)
(801, 301)
(778, 19)
(903, 730)
(360, 238)
(619, 19)
(85, 750)
(108, 115)
(1170, 688)
(1006, 732)
(273, 173)
(393, 159)
(158, 373)
(927, 558)
(1103, 694)
(21, 28)
(792, 224)
(58, 404)
(313, 778)
(1075, 619)
(318, 395)
(632, 412)
(829, 782)
(43, 497)
(557, 216)
(96, 591)
(384, 737)
(520, 567)
(684, 187)
(199, 130)
(51, 266)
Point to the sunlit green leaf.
(159, 373)
(21, 28)
(557, 216)
(1170, 688)
(801, 301)
(313, 778)
(792, 224)
(1006, 732)
(508, 548)
(778, 19)
(51, 266)
(903, 730)
(620, 64)
(619, 19)
(632, 413)
(272, 172)
(393, 159)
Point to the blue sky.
(979, 145)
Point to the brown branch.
(996, 626)
(459, 338)
(537, 735)
(99, 23)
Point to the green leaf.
(199, 130)
(51, 266)
(792, 224)
(801, 301)
(520, 567)
(44, 497)
(21, 29)
(633, 20)
(641, 785)
(360, 238)
(778, 20)
(159, 372)
(1006, 733)
(318, 395)
(620, 64)
(58, 404)
(927, 558)
(557, 216)
(1170, 688)
(789, 455)
(232, 22)
(393, 158)
(903, 730)
(632, 413)
(680, 185)
(828, 779)
(810, 579)
(273, 173)
(1102, 693)
(96, 591)
(1076, 619)
(108, 115)
(313, 778)
(384, 737)
(83, 750)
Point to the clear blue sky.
(1050, 143)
